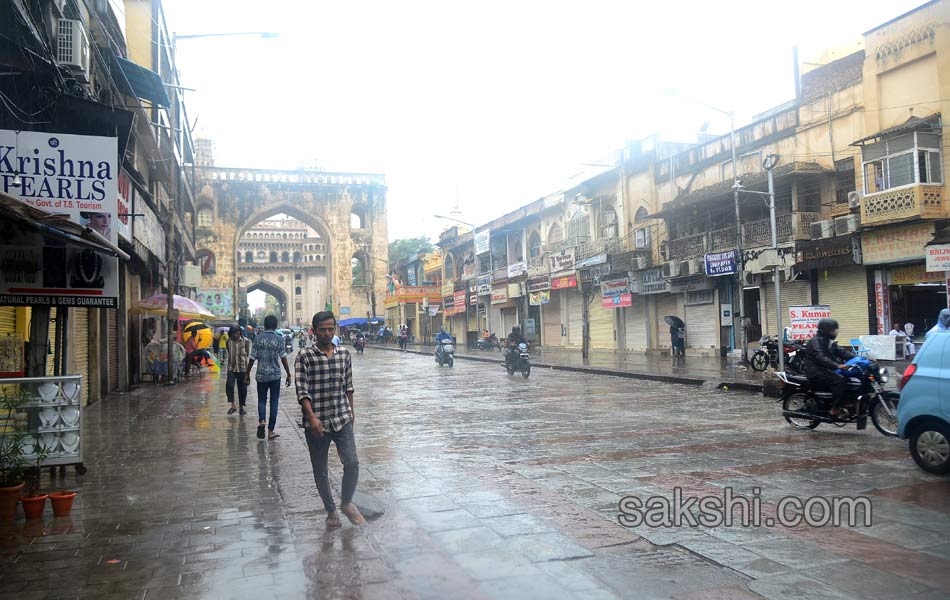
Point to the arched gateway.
(240, 199)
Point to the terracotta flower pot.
(33, 506)
(8, 499)
(62, 503)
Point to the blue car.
(924, 410)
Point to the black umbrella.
(674, 321)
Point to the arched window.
(555, 234)
(205, 216)
(285, 256)
(298, 290)
(296, 257)
(273, 256)
(358, 269)
(248, 257)
(449, 264)
(641, 230)
(356, 222)
(534, 245)
(206, 261)
(608, 223)
(578, 229)
(358, 217)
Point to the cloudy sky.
(495, 103)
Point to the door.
(635, 324)
(79, 348)
(575, 317)
(702, 326)
(551, 320)
(601, 324)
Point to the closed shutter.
(551, 320)
(635, 324)
(666, 304)
(575, 317)
(702, 326)
(51, 358)
(79, 347)
(113, 349)
(845, 290)
(601, 324)
(508, 319)
(794, 293)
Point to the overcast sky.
(499, 103)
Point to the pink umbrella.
(186, 307)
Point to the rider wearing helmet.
(822, 358)
(514, 338)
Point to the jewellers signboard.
(804, 320)
(517, 269)
(539, 284)
(652, 281)
(562, 261)
(721, 264)
(938, 258)
(832, 252)
(895, 244)
(615, 287)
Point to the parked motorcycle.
(445, 353)
(806, 407)
(359, 344)
(489, 343)
(518, 360)
(768, 354)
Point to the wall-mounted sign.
(448, 288)
(592, 261)
(499, 293)
(562, 261)
(123, 222)
(827, 253)
(517, 269)
(32, 274)
(147, 230)
(613, 287)
(914, 274)
(938, 257)
(484, 285)
(692, 283)
(652, 281)
(721, 263)
(618, 301)
(567, 281)
(482, 241)
(344, 310)
(468, 271)
(539, 284)
(804, 320)
(539, 298)
(473, 299)
(459, 299)
(895, 244)
(218, 301)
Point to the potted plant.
(33, 502)
(62, 503)
(12, 459)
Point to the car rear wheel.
(930, 447)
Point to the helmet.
(828, 328)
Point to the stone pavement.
(494, 486)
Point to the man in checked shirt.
(324, 377)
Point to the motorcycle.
(359, 344)
(445, 353)
(768, 354)
(489, 343)
(518, 360)
(289, 343)
(805, 407)
(302, 343)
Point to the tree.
(404, 248)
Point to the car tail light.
(908, 373)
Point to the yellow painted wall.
(138, 26)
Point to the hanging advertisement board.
(618, 301)
(804, 320)
(539, 298)
(484, 285)
(499, 293)
(614, 287)
(218, 301)
(562, 261)
(938, 257)
(539, 284)
(567, 281)
(517, 269)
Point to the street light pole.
(769, 163)
(740, 276)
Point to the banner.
(721, 263)
(938, 257)
(539, 298)
(653, 282)
(482, 241)
(468, 271)
(484, 285)
(804, 320)
(614, 287)
(499, 294)
(123, 222)
(448, 287)
(147, 229)
(459, 300)
(562, 261)
(539, 284)
(560, 283)
(218, 301)
(618, 301)
(517, 269)
(895, 244)
(838, 251)
(73, 175)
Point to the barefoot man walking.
(324, 376)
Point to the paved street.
(494, 487)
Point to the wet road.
(494, 487)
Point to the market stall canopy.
(360, 321)
(21, 214)
(186, 307)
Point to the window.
(534, 245)
(248, 257)
(205, 216)
(902, 160)
(273, 256)
(285, 256)
(298, 277)
(298, 290)
(579, 226)
(449, 268)
(359, 270)
(296, 257)
(641, 235)
(844, 179)
(608, 227)
(555, 234)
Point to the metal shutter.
(702, 326)
(601, 324)
(551, 320)
(575, 317)
(794, 293)
(509, 316)
(51, 358)
(635, 324)
(666, 304)
(113, 348)
(79, 348)
(845, 289)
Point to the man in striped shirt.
(324, 377)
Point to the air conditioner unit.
(854, 199)
(750, 279)
(684, 268)
(72, 47)
(671, 269)
(822, 229)
(698, 266)
(846, 224)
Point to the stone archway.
(274, 290)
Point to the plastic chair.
(860, 348)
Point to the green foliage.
(404, 248)
(12, 461)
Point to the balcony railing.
(722, 239)
(594, 247)
(905, 202)
(690, 246)
(573, 242)
(788, 227)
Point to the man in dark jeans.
(821, 360)
(324, 376)
(270, 352)
(238, 350)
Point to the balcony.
(722, 239)
(789, 227)
(594, 247)
(690, 246)
(916, 201)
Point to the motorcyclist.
(442, 336)
(821, 359)
(514, 338)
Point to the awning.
(360, 321)
(137, 81)
(931, 123)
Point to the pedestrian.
(270, 352)
(238, 350)
(943, 324)
(324, 378)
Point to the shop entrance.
(753, 310)
(918, 304)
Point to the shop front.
(539, 299)
(840, 279)
(700, 312)
(653, 287)
(564, 288)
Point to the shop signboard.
(344, 310)
(938, 257)
(473, 299)
(567, 281)
(827, 253)
(499, 293)
(592, 261)
(73, 175)
(468, 271)
(539, 298)
(459, 299)
(218, 301)
(720, 264)
(562, 261)
(881, 302)
(448, 288)
(653, 282)
(618, 301)
(448, 304)
(614, 287)
(123, 222)
(484, 285)
(482, 241)
(539, 284)
(914, 274)
(895, 244)
(517, 269)
(147, 229)
(804, 320)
